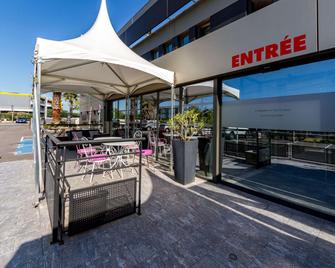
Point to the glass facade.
(184, 40)
(201, 99)
(279, 137)
(168, 48)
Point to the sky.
(22, 21)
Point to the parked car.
(150, 126)
(164, 127)
(21, 120)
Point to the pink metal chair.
(161, 144)
(146, 153)
(82, 151)
(97, 160)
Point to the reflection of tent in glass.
(194, 91)
(206, 88)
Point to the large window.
(279, 138)
(204, 28)
(155, 54)
(168, 47)
(255, 5)
(184, 39)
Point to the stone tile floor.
(203, 225)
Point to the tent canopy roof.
(98, 63)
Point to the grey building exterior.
(21, 102)
(15, 102)
(280, 55)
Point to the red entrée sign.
(286, 47)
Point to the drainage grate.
(232, 257)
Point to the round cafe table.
(121, 147)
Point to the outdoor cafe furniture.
(97, 160)
(122, 150)
(159, 144)
(109, 138)
(87, 133)
(146, 153)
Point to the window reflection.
(279, 138)
(184, 39)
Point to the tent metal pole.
(127, 115)
(34, 128)
(99, 118)
(38, 107)
(37, 128)
(90, 115)
(172, 115)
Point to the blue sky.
(22, 21)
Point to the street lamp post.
(12, 108)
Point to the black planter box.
(184, 160)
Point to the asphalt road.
(10, 136)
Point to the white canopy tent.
(96, 63)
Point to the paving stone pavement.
(204, 225)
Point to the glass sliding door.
(168, 107)
(134, 115)
(118, 118)
(199, 97)
(279, 137)
(149, 123)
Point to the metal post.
(111, 117)
(217, 140)
(38, 122)
(37, 126)
(127, 117)
(141, 107)
(90, 116)
(140, 180)
(157, 126)
(172, 115)
(99, 118)
(45, 160)
(56, 228)
(12, 107)
(33, 128)
(181, 100)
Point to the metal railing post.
(140, 180)
(62, 200)
(45, 161)
(217, 132)
(56, 219)
(157, 127)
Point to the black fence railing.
(80, 185)
(311, 152)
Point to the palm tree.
(56, 107)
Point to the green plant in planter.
(187, 124)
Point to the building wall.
(9, 102)
(191, 17)
(212, 54)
